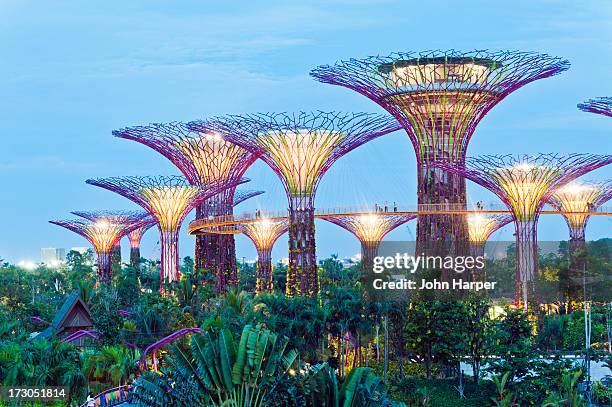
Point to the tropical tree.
(218, 371)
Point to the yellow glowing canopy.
(300, 155)
(264, 232)
(576, 200)
(169, 203)
(524, 184)
(103, 234)
(480, 227)
(212, 156)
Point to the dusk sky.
(73, 71)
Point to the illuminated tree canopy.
(440, 96)
(601, 106)
(526, 182)
(103, 234)
(576, 199)
(203, 157)
(481, 226)
(168, 199)
(264, 233)
(299, 147)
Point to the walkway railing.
(111, 397)
(213, 223)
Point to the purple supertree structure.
(103, 234)
(300, 148)
(140, 220)
(135, 236)
(439, 97)
(264, 233)
(601, 106)
(204, 158)
(525, 183)
(369, 229)
(481, 227)
(222, 246)
(168, 199)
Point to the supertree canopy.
(481, 227)
(204, 158)
(138, 218)
(439, 97)
(300, 148)
(103, 234)
(168, 199)
(369, 229)
(264, 233)
(576, 200)
(135, 236)
(525, 183)
(601, 106)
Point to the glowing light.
(27, 265)
(213, 157)
(481, 227)
(169, 203)
(300, 155)
(576, 200)
(264, 232)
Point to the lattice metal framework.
(168, 199)
(219, 246)
(439, 97)
(370, 229)
(525, 183)
(601, 106)
(300, 148)
(204, 158)
(103, 234)
(576, 200)
(264, 233)
(135, 236)
(481, 227)
(138, 218)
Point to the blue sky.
(73, 71)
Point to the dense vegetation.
(270, 350)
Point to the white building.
(52, 256)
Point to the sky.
(73, 71)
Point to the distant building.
(52, 256)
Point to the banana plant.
(217, 371)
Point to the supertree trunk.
(526, 260)
(264, 271)
(135, 256)
(231, 266)
(169, 256)
(439, 190)
(577, 262)
(105, 270)
(302, 270)
(203, 246)
(116, 257)
(477, 249)
(368, 252)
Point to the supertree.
(102, 234)
(525, 183)
(204, 158)
(369, 229)
(300, 148)
(481, 227)
(601, 106)
(439, 97)
(575, 201)
(264, 233)
(220, 247)
(168, 199)
(135, 236)
(140, 219)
